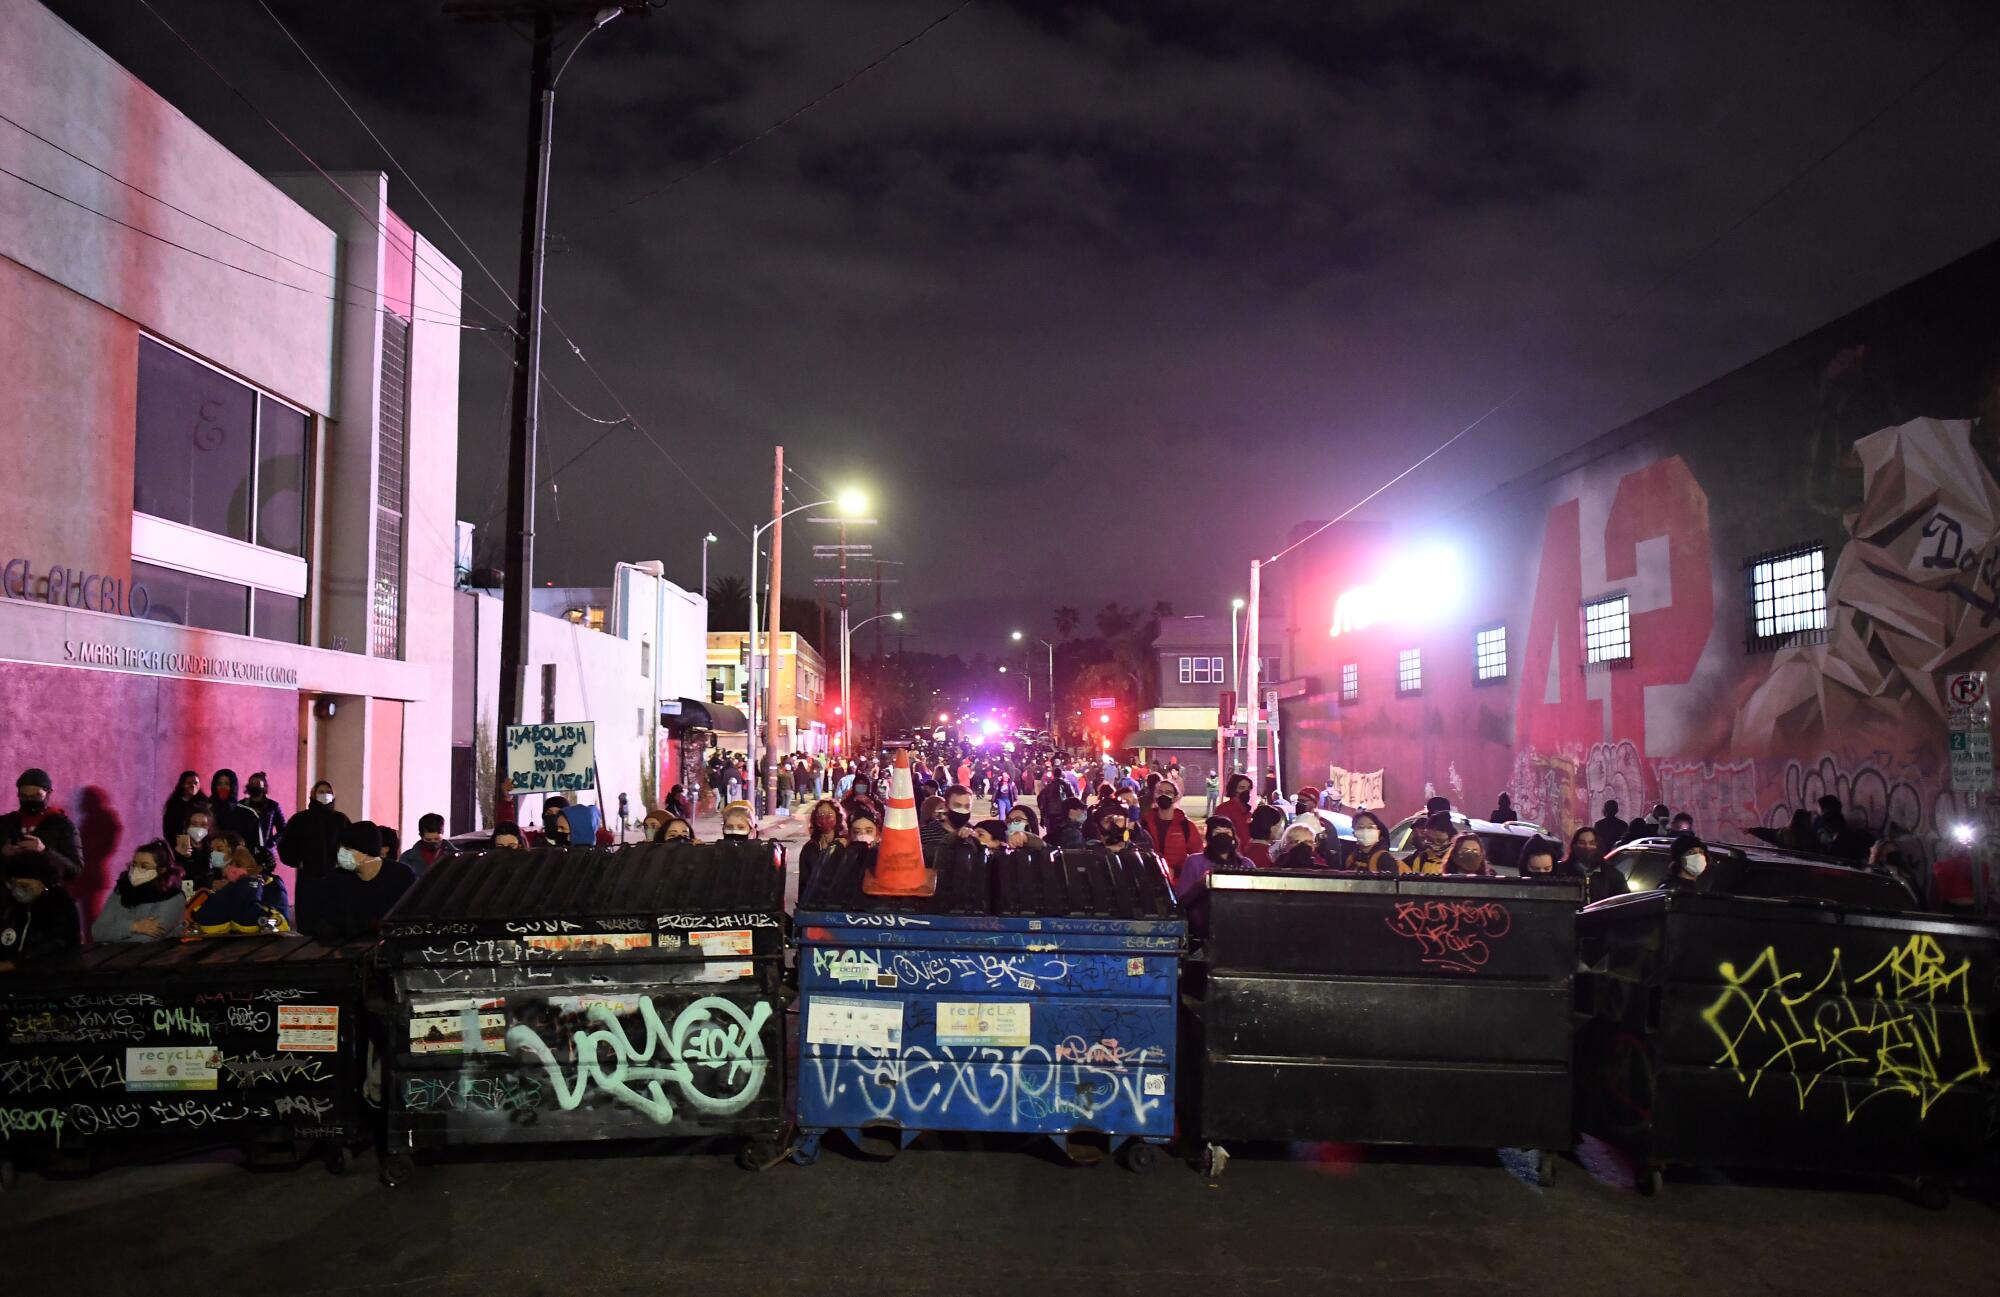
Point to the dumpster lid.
(649, 879)
(963, 887)
(1084, 882)
(1495, 887)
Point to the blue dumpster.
(1028, 996)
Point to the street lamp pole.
(848, 502)
(1235, 657)
(706, 541)
(847, 675)
(1052, 679)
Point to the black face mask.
(1165, 803)
(256, 792)
(1243, 796)
(1221, 848)
(33, 805)
(958, 819)
(1298, 856)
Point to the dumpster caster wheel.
(397, 1168)
(1214, 1158)
(1933, 1194)
(1139, 1156)
(1649, 1181)
(805, 1151)
(338, 1160)
(760, 1154)
(1545, 1169)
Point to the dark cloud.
(1102, 297)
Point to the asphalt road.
(644, 1219)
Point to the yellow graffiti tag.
(1886, 1027)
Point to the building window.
(1489, 654)
(385, 628)
(1215, 672)
(199, 602)
(1187, 671)
(1607, 630)
(1350, 681)
(279, 617)
(1787, 596)
(216, 455)
(1409, 671)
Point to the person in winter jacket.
(242, 898)
(430, 846)
(1174, 833)
(366, 885)
(1235, 807)
(825, 828)
(190, 846)
(38, 920)
(39, 827)
(270, 816)
(310, 845)
(226, 812)
(147, 904)
(1371, 845)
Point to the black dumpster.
(1414, 1010)
(150, 1049)
(578, 994)
(1788, 1032)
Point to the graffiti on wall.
(1717, 794)
(1902, 1029)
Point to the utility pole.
(1250, 701)
(777, 600)
(548, 19)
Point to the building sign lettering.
(125, 657)
(68, 587)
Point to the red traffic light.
(1104, 718)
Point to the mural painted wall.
(1877, 438)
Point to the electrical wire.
(782, 122)
(1672, 272)
(230, 265)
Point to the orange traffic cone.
(899, 861)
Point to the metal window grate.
(385, 626)
(1788, 597)
(1350, 681)
(1409, 671)
(1489, 654)
(1607, 630)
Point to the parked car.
(1759, 870)
(1504, 841)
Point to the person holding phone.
(39, 828)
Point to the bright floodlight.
(852, 502)
(1003, 671)
(1235, 603)
(896, 616)
(988, 727)
(1962, 833)
(1017, 635)
(1429, 581)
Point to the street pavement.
(963, 1220)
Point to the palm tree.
(1067, 620)
(729, 603)
(1113, 620)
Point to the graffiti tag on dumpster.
(713, 1057)
(1457, 935)
(1018, 1088)
(1883, 1033)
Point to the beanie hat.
(35, 777)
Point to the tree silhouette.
(1114, 620)
(1067, 620)
(729, 603)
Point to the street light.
(706, 541)
(846, 673)
(1019, 636)
(850, 502)
(1235, 655)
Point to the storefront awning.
(1183, 739)
(694, 714)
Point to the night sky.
(1100, 299)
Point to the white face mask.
(324, 799)
(140, 877)
(1368, 837)
(1694, 863)
(346, 858)
(196, 833)
(217, 859)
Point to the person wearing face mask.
(1689, 864)
(1586, 861)
(191, 848)
(309, 845)
(1168, 825)
(1371, 850)
(270, 816)
(824, 829)
(860, 799)
(38, 920)
(1070, 826)
(366, 886)
(991, 835)
(555, 822)
(677, 803)
(676, 830)
(430, 846)
(507, 836)
(241, 899)
(1024, 833)
(736, 823)
(1219, 851)
(1267, 824)
(227, 814)
(1296, 849)
(147, 904)
(1235, 806)
(954, 826)
(1466, 855)
(38, 827)
(186, 798)
(1433, 835)
(1115, 831)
